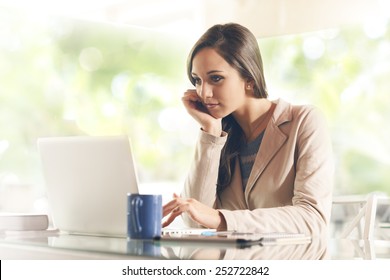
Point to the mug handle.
(137, 202)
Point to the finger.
(192, 94)
(190, 91)
(170, 206)
(173, 215)
(190, 99)
(168, 221)
(166, 211)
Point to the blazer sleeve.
(201, 181)
(311, 201)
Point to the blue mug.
(144, 215)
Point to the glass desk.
(58, 246)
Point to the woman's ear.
(249, 85)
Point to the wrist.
(222, 224)
(215, 131)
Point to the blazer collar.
(282, 113)
(272, 141)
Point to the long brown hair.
(239, 47)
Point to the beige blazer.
(290, 186)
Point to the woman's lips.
(211, 105)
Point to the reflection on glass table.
(125, 248)
(84, 247)
(314, 250)
(317, 249)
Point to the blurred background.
(118, 67)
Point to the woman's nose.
(205, 91)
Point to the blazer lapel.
(272, 141)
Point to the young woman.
(260, 165)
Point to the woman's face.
(219, 86)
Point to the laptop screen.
(87, 181)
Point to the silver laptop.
(87, 181)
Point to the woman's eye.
(215, 78)
(196, 81)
